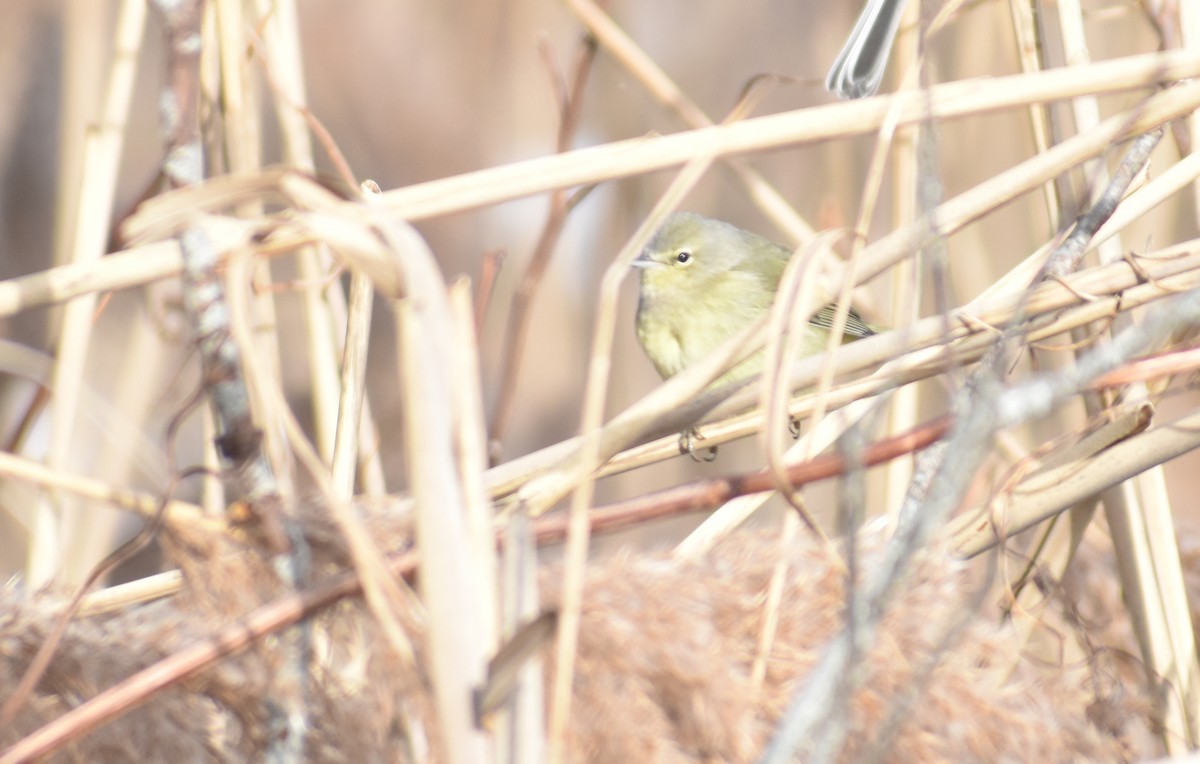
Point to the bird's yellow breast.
(678, 327)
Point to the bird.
(704, 280)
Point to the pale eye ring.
(684, 257)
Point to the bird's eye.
(684, 257)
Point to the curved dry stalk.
(795, 302)
(353, 386)
(453, 592)
(1007, 513)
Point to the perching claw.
(794, 427)
(687, 445)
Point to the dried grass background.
(693, 652)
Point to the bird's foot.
(794, 427)
(687, 445)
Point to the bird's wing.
(856, 325)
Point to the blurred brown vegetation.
(662, 674)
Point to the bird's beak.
(644, 262)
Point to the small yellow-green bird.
(704, 280)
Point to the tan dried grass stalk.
(97, 180)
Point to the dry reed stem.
(1022, 506)
(285, 62)
(459, 640)
(840, 120)
(353, 386)
(1189, 33)
(1156, 598)
(523, 736)
(80, 100)
(1158, 367)
(241, 120)
(178, 512)
(97, 180)
(120, 598)
(149, 262)
(471, 444)
(1029, 53)
(906, 284)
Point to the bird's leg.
(794, 427)
(687, 445)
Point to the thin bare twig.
(561, 203)
(240, 441)
(1067, 256)
(489, 268)
(706, 494)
